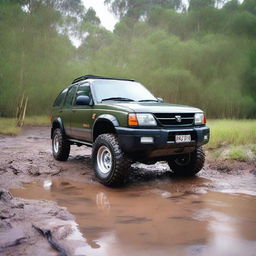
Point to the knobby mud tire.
(193, 166)
(63, 147)
(120, 162)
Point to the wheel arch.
(104, 124)
(57, 123)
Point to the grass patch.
(37, 120)
(237, 154)
(231, 132)
(8, 125)
(253, 148)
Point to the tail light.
(204, 120)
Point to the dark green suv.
(124, 123)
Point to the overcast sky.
(107, 18)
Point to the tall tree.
(140, 8)
(250, 6)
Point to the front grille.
(171, 135)
(167, 119)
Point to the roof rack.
(99, 77)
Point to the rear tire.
(60, 146)
(188, 164)
(110, 163)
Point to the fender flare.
(57, 121)
(107, 117)
(104, 118)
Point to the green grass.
(37, 120)
(238, 154)
(253, 148)
(8, 125)
(231, 132)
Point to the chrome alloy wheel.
(104, 160)
(56, 143)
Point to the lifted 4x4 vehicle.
(124, 123)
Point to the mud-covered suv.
(124, 123)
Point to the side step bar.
(88, 144)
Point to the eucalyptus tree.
(138, 9)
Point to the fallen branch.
(48, 234)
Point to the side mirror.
(161, 100)
(83, 100)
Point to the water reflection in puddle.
(178, 217)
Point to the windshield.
(121, 91)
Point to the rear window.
(59, 100)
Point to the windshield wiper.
(148, 100)
(117, 98)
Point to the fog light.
(205, 137)
(146, 139)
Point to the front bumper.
(163, 139)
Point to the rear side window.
(59, 100)
(70, 96)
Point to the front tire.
(188, 164)
(109, 161)
(60, 146)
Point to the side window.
(60, 98)
(70, 96)
(83, 90)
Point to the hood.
(156, 107)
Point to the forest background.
(199, 52)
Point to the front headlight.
(146, 120)
(200, 118)
(141, 120)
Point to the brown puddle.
(170, 217)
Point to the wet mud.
(156, 213)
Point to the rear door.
(81, 123)
(66, 112)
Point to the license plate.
(182, 138)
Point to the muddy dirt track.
(156, 213)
